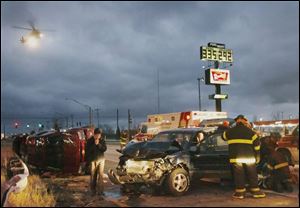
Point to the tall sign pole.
(217, 53)
(218, 92)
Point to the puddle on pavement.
(113, 194)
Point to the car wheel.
(178, 182)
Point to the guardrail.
(18, 173)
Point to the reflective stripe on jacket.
(243, 144)
(123, 140)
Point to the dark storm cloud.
(107, 54)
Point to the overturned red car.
(54, 150)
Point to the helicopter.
(33, 36)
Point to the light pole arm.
(85, 105)
(89, 108)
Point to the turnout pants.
(280, 181)
(97, 173)
(243, 173)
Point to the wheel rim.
(180, 182)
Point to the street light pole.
(199, 91)
(65, 117)
(86, 106)
(97, 109)
(72, 120)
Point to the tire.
(178, 182)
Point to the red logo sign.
(219, 76)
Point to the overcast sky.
(107, 54)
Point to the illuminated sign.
(216, 45)
(218, 96)
(217, 76)
(216, 54)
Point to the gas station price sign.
(216, 54)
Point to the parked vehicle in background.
(283, 127)
(288, 145)
(216, 122)
(167, 121)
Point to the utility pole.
(117, 118)
(97, 109)
(90, 116)
(129, 122)
(67, 121)
(72, 120)
(118, 133)
(158, 91)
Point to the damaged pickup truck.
(172, 160)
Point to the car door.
(221, 153)
(212, 155)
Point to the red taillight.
(187, 117)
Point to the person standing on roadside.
(96, 147)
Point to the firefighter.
(280, 177)
(244, 145)
(123, 139)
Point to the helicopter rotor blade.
(23, 28)
(47, 30)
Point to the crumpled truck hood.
(147, 150)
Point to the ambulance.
(188, 119)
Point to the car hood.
(148, 150)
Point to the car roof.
(183, 130)
(191, 130)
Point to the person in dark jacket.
(244, 146)
(96, 147)
(280, 178)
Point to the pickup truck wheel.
(178, 182)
